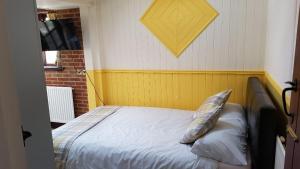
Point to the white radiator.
(61, 106)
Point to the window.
(51, 60)
(51, 57)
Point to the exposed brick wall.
(70, 60)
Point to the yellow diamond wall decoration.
(176, 23)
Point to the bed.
(144, 137)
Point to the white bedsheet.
(138, 138)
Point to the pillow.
(213, 101)
(206, 117)
(201, 125)
(219, 98)
(227, 141)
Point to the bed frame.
(263, 125)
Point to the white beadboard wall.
(234, 41)
(281, 37)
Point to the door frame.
(294, 105)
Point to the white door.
(21, 47)
(11, 145)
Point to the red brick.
(77, 52)
(65, 52)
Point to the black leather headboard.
(262, 118)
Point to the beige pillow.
(206, 117)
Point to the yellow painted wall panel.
(171, 89)
(232, 81)
(91, 93)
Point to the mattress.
(139, 138)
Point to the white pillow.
(227, 141)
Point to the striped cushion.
(213, 101)
(201, 125)
(206, 117)
(219, 98)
